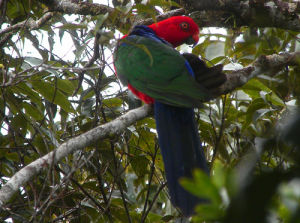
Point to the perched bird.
(146, 61)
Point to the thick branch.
(161, 17)
(264, 64)
(80, 142)
(270, 64)
(236, 13)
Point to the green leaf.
(219, 176)
(72, 26)
(23, 88)
(202, 186)
(32, 111)
(100, 20)
(209, 212)
(139, 165)
(12, 156)
(167, 218)
(274, 99)
(112, 102)
(34, 61)
(253, 87)
(53, 95)
(256, 104)
(219, 59)
(260, 113)
(87, 107)
(66, 86)
(214, 50)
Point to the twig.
(144, 216)
(95, 56)
(220, 134)
(82, 189)
(117, 175)
(155, 197)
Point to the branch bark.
(29, 24)
(270, 64)
(75, 7)
(264, 64)
(236, 13)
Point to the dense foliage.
(58, 81)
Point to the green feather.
(159, 71)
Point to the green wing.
(157, 70)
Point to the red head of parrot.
(177, 30)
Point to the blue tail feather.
(181, 150)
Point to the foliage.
(48, 97)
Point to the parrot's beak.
(193, 40)
(196, 38)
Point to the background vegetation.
(51, 93)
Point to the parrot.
(147, 62)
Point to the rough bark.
(77, 7)
(270, 65)
(236, 13)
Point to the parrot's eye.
(184, 26)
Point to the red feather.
(145, 98)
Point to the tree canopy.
(75, 146)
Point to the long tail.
(181, 150)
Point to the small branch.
(80, 142)
(95, 56)
(96, 203)
(162, 186)
(28, 24)
(117, 177)
(221, 129)
(5, 38)
(152, 169)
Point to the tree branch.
(149, 21)
(264, 64)
(75, 7)
(235, 13)
(29, 23)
